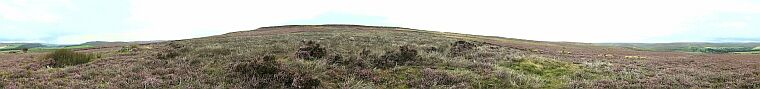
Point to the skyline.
(592, 21)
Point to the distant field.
(738, 48)
(17, 47)
(45, 49)
(9, 46)
(38, 47)
(752, 52)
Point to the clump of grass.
(130, 48)
(542, 66)
(553, 73)
(66, 57)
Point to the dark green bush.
(66, 57)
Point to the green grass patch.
(49, 49)
(550, 73)
(752, 52)
(6, 47)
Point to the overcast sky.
(77, 21)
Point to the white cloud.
(32, 11)
(734, 25)
(553, 20)
(217, 17)
(550, 20)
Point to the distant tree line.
(721, 49)
(24, 47)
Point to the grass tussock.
(66, 57)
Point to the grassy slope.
(358, 57)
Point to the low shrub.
(431, 78)
(172, 50)
(461, 47)
(305, 82)
(214, 51)
(266, 66)
(267, 73)
(348, 61)
(310, 50)
(65, 57)
(405, 55)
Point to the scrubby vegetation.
(359, 57)
(130, 48)
(65, 57)
(381, 59)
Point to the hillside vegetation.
(690, 47)
(360, 57)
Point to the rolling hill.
(354, 56)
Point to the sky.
(593, 21)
